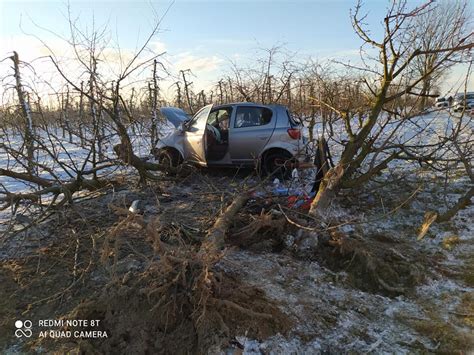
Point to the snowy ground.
(64, 158)
(335, 317)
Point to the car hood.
(174, 115)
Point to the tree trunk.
(327, 192)
(215, 238)
(26, 111)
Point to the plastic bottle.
(278, 188)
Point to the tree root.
(180, 299)
(370, 265)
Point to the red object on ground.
(307, 204)
(292, 200)
(300, 202)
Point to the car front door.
(194, 137)
(251, 129)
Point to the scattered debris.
(281, 285)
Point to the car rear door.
(194, 137)
(251, 128)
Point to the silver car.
(236, 134)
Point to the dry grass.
(449, 337)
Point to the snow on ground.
(64, 155)
(337, 317)
(332, 316)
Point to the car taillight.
(294, 133)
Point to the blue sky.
(221, 27)
(203, 34)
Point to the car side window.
(212, 117)
(220, 118)
(224, 118)
(249, 116)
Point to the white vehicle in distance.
(463, 101)
(442, 102)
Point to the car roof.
(247, 104)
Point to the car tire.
(169, 158)
(272, 164)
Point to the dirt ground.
(368, 287)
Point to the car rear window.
(248, 116)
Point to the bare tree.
(442, 27)
(60, 173)
(26, 113)
(187, 90)
(153, 93)
(391, 80)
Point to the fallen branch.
(215, 237)
(432, 217)
(68, 189)
(127, 156)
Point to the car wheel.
(169, 159)
(278, 164)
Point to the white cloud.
(43, 76)
(197, 64)
(158, 47)
(34, 56)
(205, 71)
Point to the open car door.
(195, 137)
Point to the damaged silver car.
(240, 134)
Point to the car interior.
(217, 133)
(252, 116)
